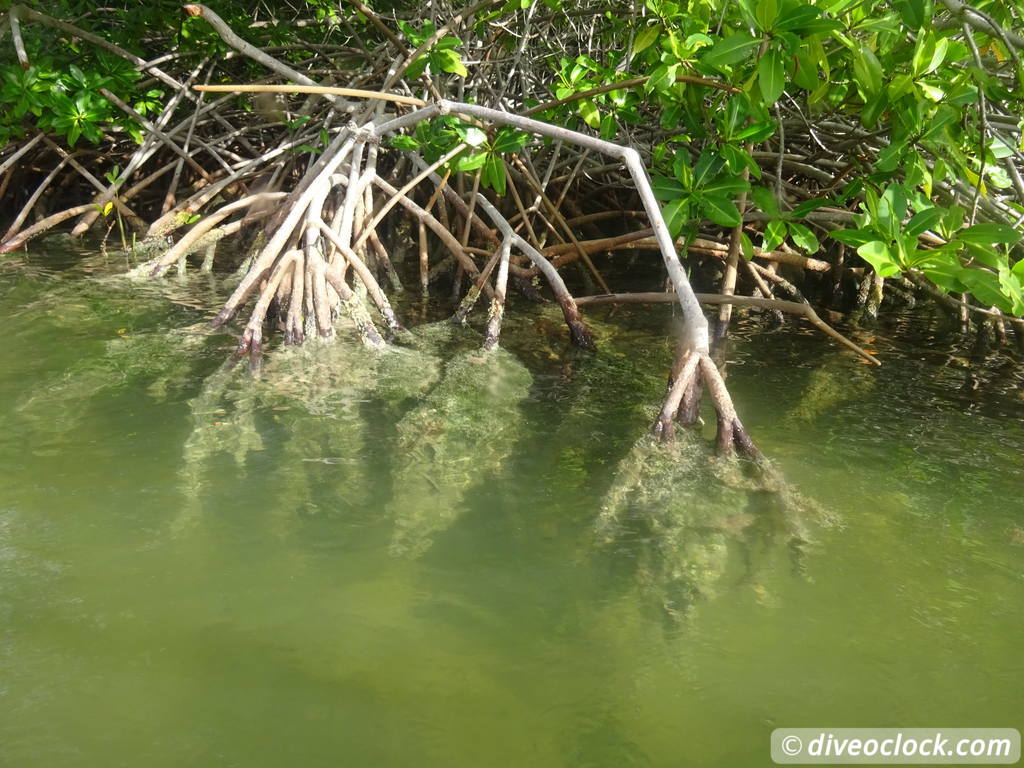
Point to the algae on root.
(160, 363)
(317, 396)
(459, 436)
(333, 405)
(678, 515)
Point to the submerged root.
(223, 421)
(687, 521)
(458, 437)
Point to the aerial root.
(694, 371)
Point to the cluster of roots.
(318, 219)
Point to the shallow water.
(194, 573)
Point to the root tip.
(581, 335)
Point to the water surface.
(194, 571)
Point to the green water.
(197, 570)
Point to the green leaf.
(757, 132)
(494, 170)
(867, 71)
(1011, 288)
(697, 40)
(509, 140)
(417, 68)
(771, 76)
(913, 12)
(774, 234)
(737, 159)
(448, 42)
(806, 73)
(874, 109)
(706, 167)
(854, 237)
(877, 254)
(943, 117)
(899, 87)
(409, 32)
(470, 134)
(92, 132)
(450, 61)
(764, 199)
(985, 287)
(809, 205)
(892, 209)
(746, 247)
(609, 127)
(943, 268)
(589, 112)
(667, 189)
(923, 221)
(722, 211)
(727, 185)
(803, 237)
(731, 50)
(681, 167)
(995, 258)
(766, 12)
(676, 214)
(658, 78)
(470, 162)
(952, 219)
(816, 27)
(646, 38)
(891, 157)
(796, 18)
(987, 233)
(938, 56)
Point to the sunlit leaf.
(450, 61)
(589, 112)
(404, 142)
(986, 288)
(774, 234)
(803, 237)
(877, 254)
(771, 76)
(722, 211)
(676, 214)
(731, 50)
(470, 161)
(470, 134)
(645, 38)
(988, 232)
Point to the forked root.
(692, 372)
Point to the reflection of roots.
(154, 362)
(459, 436)
(223, 420)
(314, 394)
(680, 515)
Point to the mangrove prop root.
(695, 371)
